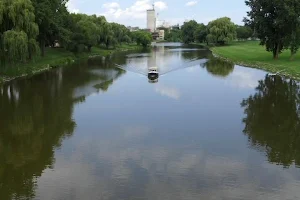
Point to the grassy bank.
(54, 57)
(251, 54)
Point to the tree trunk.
(89, 48)
(276, 51)
(292, 55)
(42, 46)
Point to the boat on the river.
(153, 73)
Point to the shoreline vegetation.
(57, 57)
(273, 48)
(251, 54)
(32, 30)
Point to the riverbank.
(251, 54)
(55, 57)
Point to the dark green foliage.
(244, 32)
(188, 30)
(294, 41)
(49, 14)
(18, 31)
(200, 33)
(275, 22)
(173, 35)
(28, 26)
(142, 38)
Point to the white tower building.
(151, 20)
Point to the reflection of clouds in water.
(184, 164)
(244, 78)
(170, 92)
(191, 69)
(70, 179)
(136, 131)
(122, 166)
(156, 172)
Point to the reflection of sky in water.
(245, 78)
(167, 91)
(181, 138)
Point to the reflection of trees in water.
(35, 117)
(31, 127)
(219, 67)
(272, 120)
(187, 55)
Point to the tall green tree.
(175, 35)
(188, 31)
(244, 32)
(120, 32)
(48, 17)
(90, 31)
(85, 33)
(221, 31)
(18, 31)
(294, 41)
(142, 38)
(200, 33)
(274, 21)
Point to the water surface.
(93, 131)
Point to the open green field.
(55, 57)
(251, 54)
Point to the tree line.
(219, 32)
(28, 26)
(276, 23)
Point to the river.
(212, 131)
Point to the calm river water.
(212, 131)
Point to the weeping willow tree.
(18, 31)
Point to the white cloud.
(71, 5)
(160, 5)
(174, 21)
(114, 12)
(191, 3)
(112, 5)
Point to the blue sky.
(133, 12)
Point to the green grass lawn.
(250, 53)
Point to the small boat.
(153, 73)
